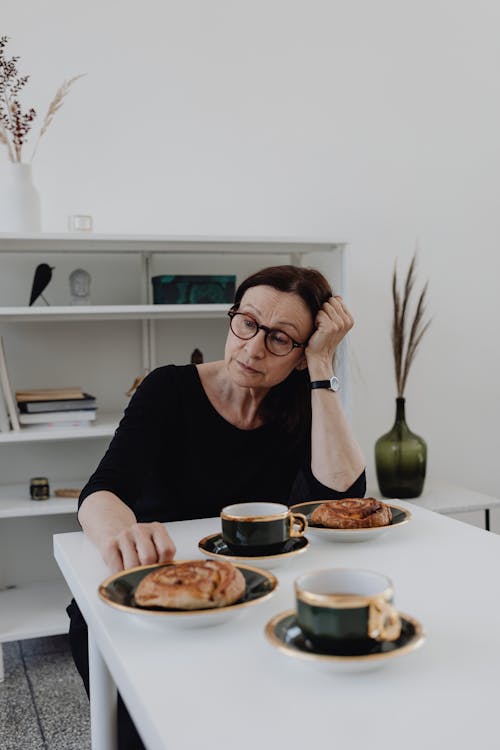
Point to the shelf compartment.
(16, 503)
(104, 426)
(34, 610)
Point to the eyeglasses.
(277, 342)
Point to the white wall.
(375, 123)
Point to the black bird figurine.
(43, 275)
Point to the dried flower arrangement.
(14, 123)
(404, 346)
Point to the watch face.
(334, 383)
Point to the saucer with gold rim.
(214, 546)
(400, 517)
(118, 592)
(285, 634)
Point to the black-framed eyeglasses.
(277, 342)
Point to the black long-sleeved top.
(174, 457)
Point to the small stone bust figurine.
(79, 284)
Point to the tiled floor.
(43, 705)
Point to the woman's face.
(248, 361)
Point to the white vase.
(19, 199)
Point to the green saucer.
(284, 633)
(215, 546)
(118, 591)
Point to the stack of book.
(42, 407)
(56, 407)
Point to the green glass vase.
(400, 459)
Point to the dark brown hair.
(289, 402)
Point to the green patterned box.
(193, 290)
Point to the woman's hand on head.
(138, 544)
(332, 323)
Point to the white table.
(226, 687)
(450, 499)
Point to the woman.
(258, 425)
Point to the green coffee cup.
(346, 610)
(260, 526)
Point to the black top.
(174, 457)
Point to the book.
(57, 425)
(83, 415)
(50, 394)
(7, 390)
(4, 416)
(69, 404)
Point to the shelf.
(106, 243)
(112, 312)
(15, 501)
(104, 426)
(34, 610)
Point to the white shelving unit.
(102, 347)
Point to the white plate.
(400, 517)
(118, 592)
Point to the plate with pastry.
(215, 547)
(285, 634)
(187, 592)
(351, 519)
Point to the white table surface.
(226, 687)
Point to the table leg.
(103, 701)
(487, 519)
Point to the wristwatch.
(333, 384)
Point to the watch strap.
(320, 384)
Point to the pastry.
(352, 513)
(194, 584)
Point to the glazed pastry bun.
(352, 513)
(194, 584)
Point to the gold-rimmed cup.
(261, 527)
(346, 610)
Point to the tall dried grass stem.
(404, 346)
(5, 141)
(54, 105)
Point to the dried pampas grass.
(15, 122)
(5, 141)
(405, 346)
(54, 105)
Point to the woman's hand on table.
(138, 544)
(122, 542)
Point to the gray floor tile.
(19, 727)
(11, 655)
(60, 699)
(51, 645)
